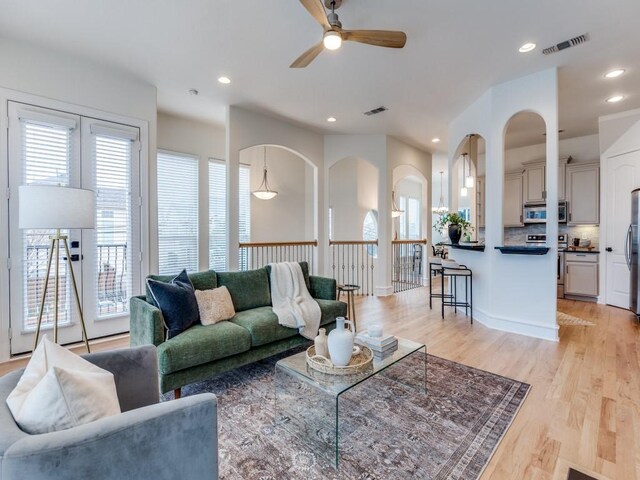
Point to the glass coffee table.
(308, 404)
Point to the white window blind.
(177, 213)
(413, 218)
(113, 223)
(46, 160)
(217, 215)
(245, 212)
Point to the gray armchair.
(149, 440)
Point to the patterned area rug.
(566, 320)
(388, 430)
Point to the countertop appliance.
(537, 213)
(631, 248)
(563, 239)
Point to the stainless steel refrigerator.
(631, 250)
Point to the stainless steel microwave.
(537, 213)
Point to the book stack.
(382, 347)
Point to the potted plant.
(456, 226)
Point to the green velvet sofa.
(251, 335)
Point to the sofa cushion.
(248, 289)
(200, 281)
(177, 302)
(263, 326)
(202, 344)
(305, 273)
(330, 310)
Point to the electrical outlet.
(585, 236)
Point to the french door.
(49, 147)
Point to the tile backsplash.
(518, 236)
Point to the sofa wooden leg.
(177, 393)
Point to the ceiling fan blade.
(307, 57)
(317, 11)
(379, 38)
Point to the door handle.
(627, 244)
(74, 257)
(609, 249)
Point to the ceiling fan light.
(332, 40)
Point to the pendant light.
(440, 209)
(469, 181)
(463, 191)
(264, 192)
(395, 211)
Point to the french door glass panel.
(112, 266)
(48, 147)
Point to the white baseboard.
(384, 291)
(513, 325)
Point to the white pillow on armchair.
(60, 390)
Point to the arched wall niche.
(410, 183)
(292, 215)
(524, 191)
(468, 182)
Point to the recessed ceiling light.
(193, 91)
(614, 73)
(331, 119)
(527, 47)
(225, 80)
(435, 140)
(615, 99)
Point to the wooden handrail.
(408, 242)
(353, 242)
(312, 243)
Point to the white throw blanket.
(292, 302)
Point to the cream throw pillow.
(60, 390)
(215, 305)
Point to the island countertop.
(474, 247)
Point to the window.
(410, 224)
(245, 213)
(330, 223)
(217, 215)
(370, 231)
(177, 213)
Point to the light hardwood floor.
(584, 406)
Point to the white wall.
(512, 292)
(204, 140)
(53, 78)
(289, 216)
(246, 129)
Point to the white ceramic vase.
(321, 344)
(340, 342)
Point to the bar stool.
(350, 290)
(454, 272)
(435, 267)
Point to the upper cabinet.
(583, 194)
(512, 205)
(534, 183)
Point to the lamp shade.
(45, 206)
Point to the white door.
(622, 176)
(57, 148)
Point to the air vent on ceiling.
(375, 111)
(566, 44)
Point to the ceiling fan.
(334, 35)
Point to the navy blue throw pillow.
(177, 302)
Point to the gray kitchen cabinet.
(581, 274)
(481, 183)
(534, 183)
(512, 202)
(583, 194)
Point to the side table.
(350, 290)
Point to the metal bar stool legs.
(452, 300)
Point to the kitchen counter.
(522, 250)
(573, 250)
(474, 247)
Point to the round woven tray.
(358, 363)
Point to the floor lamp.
(55, 207)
